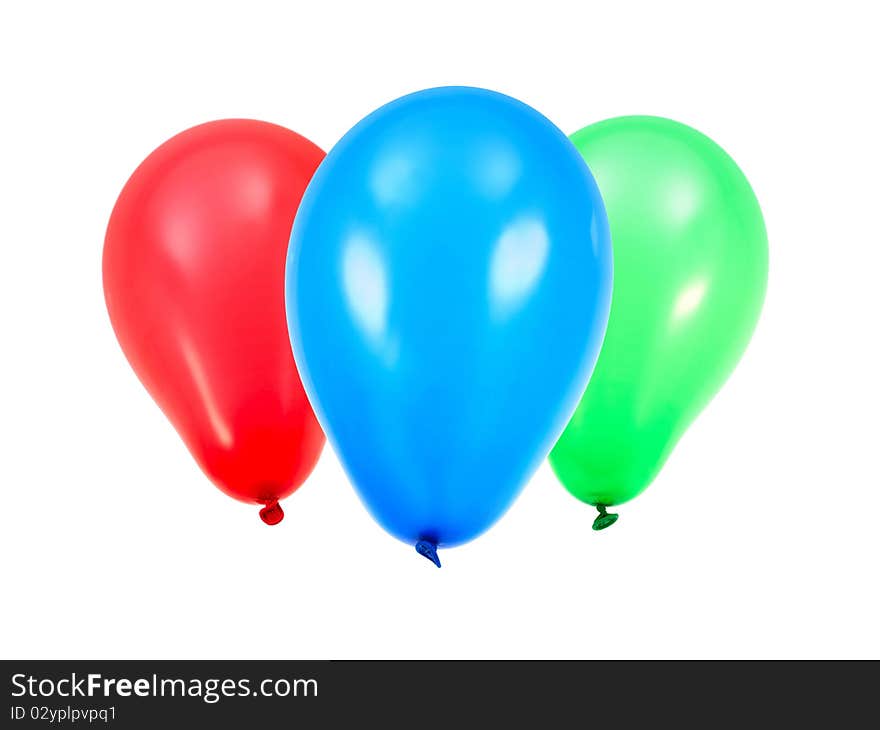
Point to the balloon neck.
(428, 549)
(603, 519)
(272, 513)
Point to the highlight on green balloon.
(690, 275)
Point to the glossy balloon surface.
(194, 282)
(448, 286)
(690, 273)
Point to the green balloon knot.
(603, 519)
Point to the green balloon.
(690, 273)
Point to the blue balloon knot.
(428, 549)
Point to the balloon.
(193, 279)
(448, 284)
(690, 272)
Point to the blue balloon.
(448, 284)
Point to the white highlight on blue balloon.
(498, 170)
(518, 261)
(366, 294)
(393, 179)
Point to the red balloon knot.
(272, 513)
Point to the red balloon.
(194, 282)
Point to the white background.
(760, 538)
